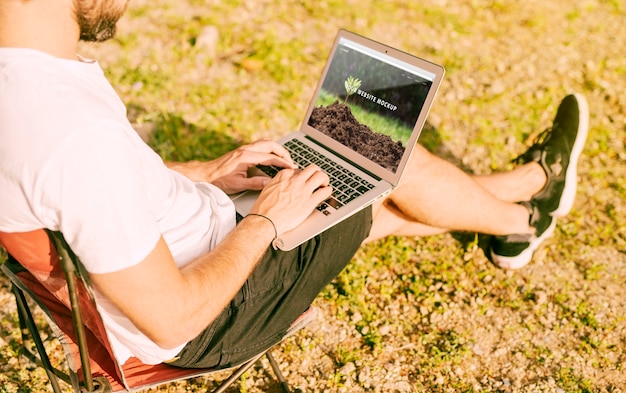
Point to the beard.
(97, 19)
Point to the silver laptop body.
(366, 115)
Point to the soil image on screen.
(369, 106)
(336, 120)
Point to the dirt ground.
(430, 314)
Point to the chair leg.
(244, 367)
(237, 373)
(279, 375)
(26, 318)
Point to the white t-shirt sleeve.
(103, 209)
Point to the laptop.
(361, 126)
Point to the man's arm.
(230, 172)
(172, 306)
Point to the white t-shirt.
(71, 162)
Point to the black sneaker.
(557, 151)
(515, 251)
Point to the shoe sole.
(521, 260)
(569, 193)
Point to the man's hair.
(97, 19)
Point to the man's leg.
(436, 197)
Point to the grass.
(429, 314)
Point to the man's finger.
(315, 176)
(281, 162)
(255, 183)
(271, 147)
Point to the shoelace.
(538, 143)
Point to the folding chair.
(43, 267)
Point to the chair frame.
(75, 273)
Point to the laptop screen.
(370, 102)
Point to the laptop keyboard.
(347, 186)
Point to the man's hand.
(289, 198)
(155, 291)
(230, 172)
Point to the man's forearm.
(194, 170)
(217, 277)
(172, 306)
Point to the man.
(177, 279)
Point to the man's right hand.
(291, 196)
(155, 291)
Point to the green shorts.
(280, 289)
